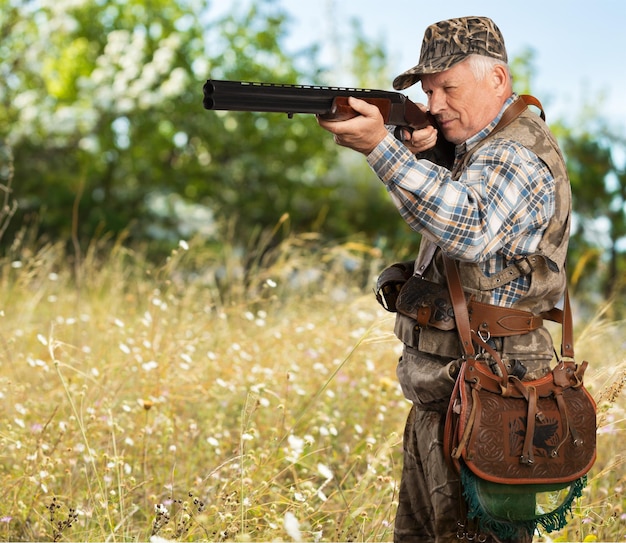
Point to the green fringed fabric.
(505, 510)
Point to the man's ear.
(500, 79)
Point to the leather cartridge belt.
(486, 319)
(429, 304)
(501, 321)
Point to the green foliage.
(104, 109)
(523, 70)
(8, 205)
(368, 62)
(598, 240)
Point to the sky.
(579, 45)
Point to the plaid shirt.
(498, 208)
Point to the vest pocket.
(426, 380)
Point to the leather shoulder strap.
(567, 344)
(511, 113)
(532, 101)
(459, 303)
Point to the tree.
(103, 108)
(599, 200)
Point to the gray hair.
(482, 65)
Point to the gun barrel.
(272, 97)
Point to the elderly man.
(501, 211)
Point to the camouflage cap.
(448, 42)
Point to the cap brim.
(408, 78)
(412, 76)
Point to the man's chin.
(450, 136)
(449, 133)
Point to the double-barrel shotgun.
(329, 103)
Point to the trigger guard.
(399, 132)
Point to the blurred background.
(103, 133)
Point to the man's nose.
(436, 102)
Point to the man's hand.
(364, 132)
(361, 133)
(421, 140)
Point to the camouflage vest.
(547, 264)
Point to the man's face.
(462, 105)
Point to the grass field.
(193, 401)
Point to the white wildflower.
(292, 526)
(325, 471)
(296, 444)
(149, 366)
(159, 539)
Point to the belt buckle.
(523, 265)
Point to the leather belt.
(501, 321)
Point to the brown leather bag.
(517, 432)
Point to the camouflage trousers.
(428, 508)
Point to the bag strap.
(567, 343)
(516, 109)
(459, 304)
(530, 100)
(461, 316)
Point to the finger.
(403, 133)
(364, 108)
(424, 138)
